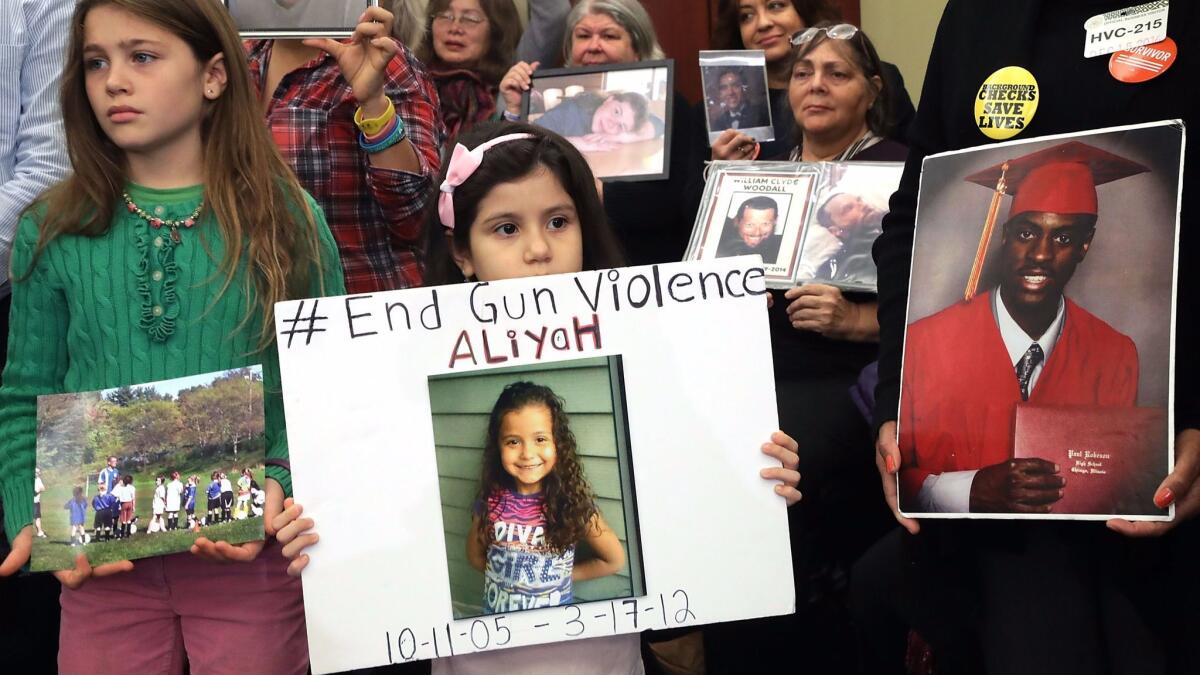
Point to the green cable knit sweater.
(124, 308)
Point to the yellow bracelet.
(373, 126)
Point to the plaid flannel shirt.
(376, 215)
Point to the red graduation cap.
(1059, 179)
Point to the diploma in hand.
(1111, 457)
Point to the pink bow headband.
(463, 163)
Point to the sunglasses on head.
(841, 31)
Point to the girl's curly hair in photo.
(569, 504)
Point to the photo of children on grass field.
(120, 471)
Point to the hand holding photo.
(509, 422)
(297, 18)
(735, 93)
(810, 222)
(617, 115)
(756, 208)
(1037, 366)
(137, 460)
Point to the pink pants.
(223, 618)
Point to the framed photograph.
(735, 93)
(297, 18)
(810, 222)
(846, 219)
(756, 208)
(618, 115)
(496, 483)
(140, 471)
(1039, 351)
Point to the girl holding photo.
(162, 255)
(518, 201)
(533, 482)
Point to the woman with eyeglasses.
(769, 25)
(822, 338)
(653, 219)
(468, 46)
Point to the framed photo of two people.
(1037, 376)
(810, 222)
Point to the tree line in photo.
(145, 426)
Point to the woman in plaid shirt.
(311, 91)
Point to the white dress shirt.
(33, 155)
(950, 492)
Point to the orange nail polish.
(1164, 497)
(891, 464)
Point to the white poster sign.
(665, 373)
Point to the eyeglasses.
(841, 31)
(466, 19)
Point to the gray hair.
(629, 14)
(409, 26)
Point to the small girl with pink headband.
(517, 200)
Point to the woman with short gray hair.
(628, 14)
(653, 219)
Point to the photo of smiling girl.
(534, 507)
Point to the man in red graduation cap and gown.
(967, 367)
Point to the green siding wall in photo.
(461, 405)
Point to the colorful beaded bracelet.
(397, 134)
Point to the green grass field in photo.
(55, 552)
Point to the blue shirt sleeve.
(32, 153)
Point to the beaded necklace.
(156, 222)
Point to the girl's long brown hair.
(250, 191)
(569, 505)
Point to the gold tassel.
(989, 225)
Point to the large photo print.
(1038, 356)
(139, 471)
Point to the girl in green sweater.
(162, 255)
